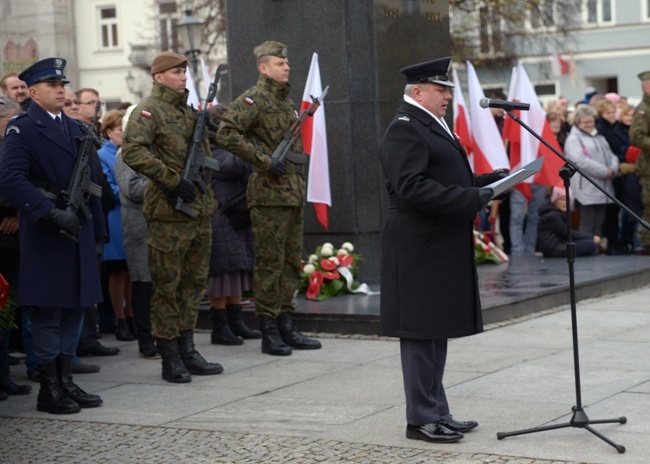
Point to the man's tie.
(60, 124)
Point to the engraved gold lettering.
(391, 12)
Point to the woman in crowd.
(119, 283)
(552, 234)
(558, 127)
(591, 153)
(134, 230)
(232, 256)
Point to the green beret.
(644, 76)
(167, 60)
(272, 48)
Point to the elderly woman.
(591, 153)
(119, 282)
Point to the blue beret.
(47, 70)
(435, 71)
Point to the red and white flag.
(192, 98)
(461, 119)
(559, 67)
(487, 146)
(314, 141)
(207, 82)
(524, 147)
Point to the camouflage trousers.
(277, 232)
(644, 235)
(179, 254)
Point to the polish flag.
(487, 146)
(461, 119)
(559, 67)
(314, 141)
(192, 98)
(206, 83)
(524, 147)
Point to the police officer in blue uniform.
(58, 277)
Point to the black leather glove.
(487, 179)
(185, 191)
(277, 167)
(66, 220)
(484, 197)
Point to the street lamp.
(130, 84)
(189, 30)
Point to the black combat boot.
(173, 369)
(292, 337)
(50, 397)
(221, 333)
(237, 325)
(122, 331)
(194, 362)
(72, 391)
(271, 341)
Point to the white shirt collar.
(441, 121)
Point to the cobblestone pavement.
(38, 441)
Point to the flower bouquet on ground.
(329, 272)
(487, 251)
(6, 306)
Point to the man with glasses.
(429, 287)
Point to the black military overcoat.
(429, 284)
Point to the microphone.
(504, 105)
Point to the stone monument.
(362, 45)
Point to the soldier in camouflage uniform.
(640, 137)
(252, 129)
(156, 144)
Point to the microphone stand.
(579, 418)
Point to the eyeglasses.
(92, 102)
(70, 103)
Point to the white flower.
(326, 251)
(335, 260)
(327, 245)
(309, 268)
(313, 258)
(342, 251)
(348, 246)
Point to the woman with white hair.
(591, 153)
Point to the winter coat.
(54, 270)
(429, 283)
(232, 249)
(114, 249)
(592, 154)
(134, 225)
(552, 231)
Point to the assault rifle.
(196, 160)
(294, 132)
(81, 187)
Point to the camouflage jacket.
(155, 144)
(252, 129)
(640, 136)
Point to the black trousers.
(423, 366)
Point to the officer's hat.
(272, 48)
(47, 70)
(435, 71)
(644, 76)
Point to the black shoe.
(457, 426)
(50, 397)
(10, 388)
(237, 325)
(82, 368)
(149, 350)
(221, 333)
(98, 350)
(272, 343)
(122, 331)
(72, 390)
(292, 337)
(173, 369)
(34, 376)
(433, 433)
(194, 362)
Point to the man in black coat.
(58, 276)
(429, 284)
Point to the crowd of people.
(595, 136)
(126, 259)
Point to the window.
(490, 34)
(167, 23)
(598, 11)
(542, 14)
(109, 37)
